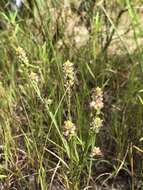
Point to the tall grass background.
(71, 107)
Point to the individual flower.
(96, 152)
(69, 128)
(93, 104)
(34, 77)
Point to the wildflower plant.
(27, 70)
(69, 81)
(96, 123)
(23, 62)
(96, 106)
(69, 128)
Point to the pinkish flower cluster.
(97, 99)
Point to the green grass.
(40, 101)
